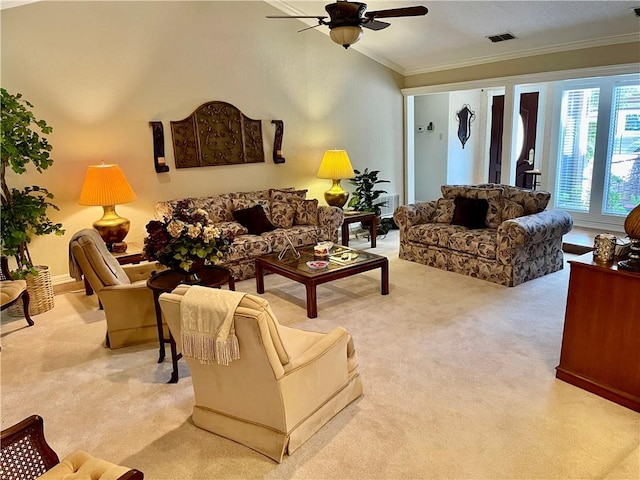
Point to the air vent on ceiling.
(501, 37)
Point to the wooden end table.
(353, 217)
(165, 281)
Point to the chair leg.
(25, 304)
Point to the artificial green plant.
(24, 211)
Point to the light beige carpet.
(458, 373)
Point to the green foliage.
(365, 196)
(24, 212)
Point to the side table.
(353, 217)
(165, 281)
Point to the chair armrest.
(330, 220)
(25, 446)
(318, 349)
(406, 216)
(141, 271)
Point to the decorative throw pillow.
(493, 196)
(444, 211)
(470, 212)
(254, 220)
(282, 214)
(306, 212)
(511, 209)
(286, 195)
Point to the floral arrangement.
(186, 240)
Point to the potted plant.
(24, 211)
(366, 196)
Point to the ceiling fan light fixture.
(346, 35)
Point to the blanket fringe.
(208, 349)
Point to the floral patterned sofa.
(287, 209)
(517, 239)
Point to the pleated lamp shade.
(105, 185)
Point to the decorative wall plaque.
(216, 133)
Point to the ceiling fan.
(346, 19)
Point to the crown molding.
(563, 47)
(4, 4)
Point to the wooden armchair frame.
(5, 274)
(25, 453)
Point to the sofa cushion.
(231, 229)
(306, 212)
(479, 243)
(300, 235)
(277, 195)
(532, 201)
(218, 207)
(511, 210)
(244, 203)
(470, 212)
(247, 246)
(433, 234)
(444, 211)
(493, 196)
(254, 220)
(282, 214)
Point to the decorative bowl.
(317, 264)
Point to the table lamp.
(336, 165)
(105, 185)
(632, 228)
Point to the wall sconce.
(105, 185)
(336, 165)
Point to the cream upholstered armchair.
(26, 455)
(13, 290)
(122, 290)
(285, 386)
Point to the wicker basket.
(40, 290)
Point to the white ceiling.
(453, 33)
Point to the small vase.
(191, 276)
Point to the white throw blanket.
(207, 326)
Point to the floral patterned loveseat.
(290, 212)
(518, 240)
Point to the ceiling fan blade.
(398, 12)
(319, 18)
(375, 25)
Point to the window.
(598, 163)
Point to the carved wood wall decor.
(158, 147)
(277, 141)
(216, 133)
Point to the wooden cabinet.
(601, 339)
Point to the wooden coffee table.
(297, 270)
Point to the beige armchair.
(285, 386)
(122, 290)
(26, 455)
(13, 290)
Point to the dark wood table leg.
(156, 303)
(312, 300)
(232, 283)
(345, 233)
(175, 356)
(374, 231)
(259, 278)
(384, 287)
